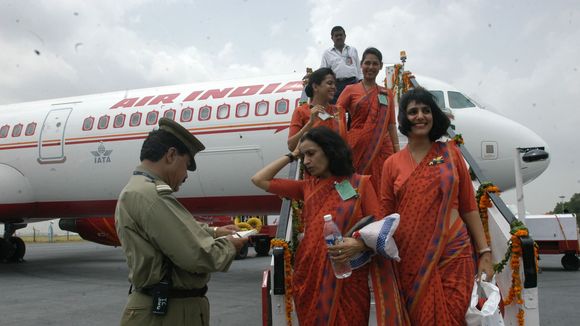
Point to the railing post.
(519, 186)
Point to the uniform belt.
(349, 79)
(178, 293)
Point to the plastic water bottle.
(332, 237)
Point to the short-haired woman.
(429, 185)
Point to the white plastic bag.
(379, 236)
(489, 315)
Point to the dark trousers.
(340, 85)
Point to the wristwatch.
(291, 157)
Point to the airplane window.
(204, 113)
(103, 122)
(88, 123)
(261, 108)
(17, 130)
(119, 121)
(30, 128)
(135, 119)
(186, 114)
(281, 107)
(152, 117)
(169, 114)
(439, 99)
(223, 111)
(242, 110)
(4, 131)
(458, 101)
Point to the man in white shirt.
(343, 60)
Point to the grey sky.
(519, 58)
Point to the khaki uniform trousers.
(182, 311)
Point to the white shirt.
(345, 64)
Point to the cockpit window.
(439, 98)
(459, 101)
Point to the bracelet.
(484, 250)
(215, 231)
(291, 157)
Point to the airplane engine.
(100, 230)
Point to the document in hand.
(245, 234)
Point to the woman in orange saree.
(319, 112)
(372, 133)
(428, 184)
(320, 298)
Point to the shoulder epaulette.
(163, 189)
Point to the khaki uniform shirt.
(152, 224)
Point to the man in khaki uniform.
(161, 238)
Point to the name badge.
(345, 190)
(383, 99)
(323, 116)
(348, 61)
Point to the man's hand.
(226, 230)
(239, 243)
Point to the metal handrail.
(481, 177)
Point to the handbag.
(489, 314)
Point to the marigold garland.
(518, 230)
(401, 81)
(514, 251)
(458, 139)
(255, 223)
(276, 242)
(484, 202)
(244, 226)
(297, 226)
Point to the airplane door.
(51, 144)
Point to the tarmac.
(82, 283)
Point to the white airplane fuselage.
(64, 169)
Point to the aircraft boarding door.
(51, 143)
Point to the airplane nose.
(536, 159)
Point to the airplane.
(69, 158)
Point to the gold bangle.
(215, 231)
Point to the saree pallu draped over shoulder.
(369, 135)
(319, 297)
(437, 267)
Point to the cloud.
(521, 58)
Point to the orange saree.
(437, 267)
(320, 298)
(368, 135)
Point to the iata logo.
(102, 155)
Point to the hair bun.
(309, 91)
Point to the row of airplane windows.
(204, 113)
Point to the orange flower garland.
(484, 202)
(287, 276)
(518, 230)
